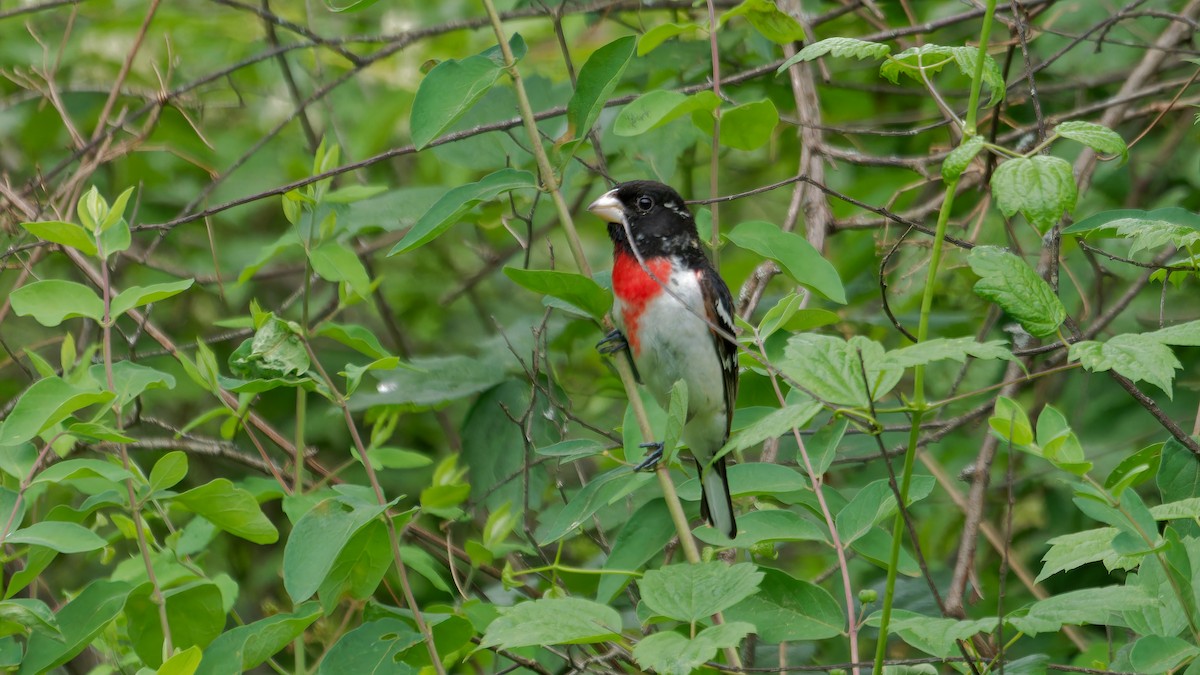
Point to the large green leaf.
(693, 592)
(230, 508)
(1096, 136)
(67, 234)
(81, 620)
(773, 23)
(45, 403)
(552, 621)
(374, 648)
(670, 653)
(794, 254)
(52, 301)
(194, 612)
(243, 648)
(1042, 188)
(832, 368)
(1009, 282)
(745, 127)
(1131, 355)
(335, 261)
(316, 542)
(455, 203)
(661, 106)
(452, 88)
(136, 296)
(642, 537)
(576, 289)
(58, 536)
(787, 609)
(598, 77)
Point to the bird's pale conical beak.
(607, 207)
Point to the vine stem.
(550, 184)
(919, 405)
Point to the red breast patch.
(635, 288)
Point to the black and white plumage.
(675, 314)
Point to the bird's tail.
(716, 505)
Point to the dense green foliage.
(300, 306)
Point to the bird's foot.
(612, 343)
(653, 458)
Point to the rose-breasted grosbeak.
(674, 313)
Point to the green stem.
(919, 404)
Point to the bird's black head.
(658, 219)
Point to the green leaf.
(131, 380)
(956, 349)
(52, 301)
(245, 647)
(335, 261)
(92, 209)
(832, 368)
(183, 663)
(936, 635)
(354, 336)
(232, 509)
(1185, 334)
(58, 536)
(745, 127)
(599, 492)
(645, 533)
(960, 158)
(359, 566)
(455, 203)
(770, 525)
(1152, 654)
(873, 503)
(316, 541)
(275, 351)
(1075, 549)
(136, 296)
(45, 403)
(1131, 355)
(81, 620)
(787, 609)
(194, 612)
(1134, 469)
(654, 37)
(1040, 187)
(774, 24)
(841, 47)
(22, 615)
(168, 471)
(1084, 606)
(117, 212)
(931, 58)
(571, 450)
(597, 79)
(452, 87)
(432, 382)
(374, 648)
(787, 314)
(1010, 422)
(72, 470)
(693, 592)
(576, 289)
(1009, 282)
(552, 621)
(353, 6)
(1106, 222)
(1096, 136)
(659, 107)
(1058, 442)
(774, 425)
(795, 255)
(66, 234)
(670, 653)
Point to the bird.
(674, 317)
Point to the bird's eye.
(645, 203)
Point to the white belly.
(676, 344)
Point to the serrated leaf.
(956, 349)
(644, 534)
(1149, 234)
(551, 621)
(66, 234)
(1131, 355)
(452, 87)
(52, 301)
(1084, 606)
(136, 296)
(960, 158)
(1072, 550)
(932, 58)
(455, 203)
(1009, 282)
(842, 47)
(670, 653)
(745, 127)
(774, 24)
(661, 106)
(651, 39)
(795, 255)
(1185, 334)
(1105, 222)
(1096, 136)
(1041, 188)
(598, 77)
(576, 289)
(692, 592)
(831, 369)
